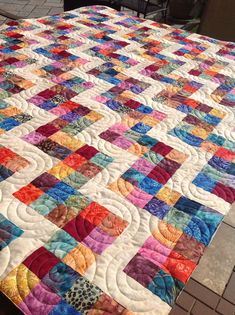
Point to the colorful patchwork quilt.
(116, 160)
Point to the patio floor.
(211, 289)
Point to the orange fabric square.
(180, 268)
(94, 213)
(75, 160)
(28, 194)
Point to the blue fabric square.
(60, 278)
(150, 186)
(157, 207)
(148, 141)
(216, 139)
(47, 105)
(187, 206)
(184, 109)
(114, 105)
(145, 109)
(58, 194)
(141, 128)
(64, 309)
(212, 120)
(186, 137)
(60, 152)
(133, 176)
(205, 182)
(219, 163)
(5, 172)
(8, 232)
(166, 287)
(65, 188)
(61, 243)
(9, 124)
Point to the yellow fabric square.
(61, 171)
(19, 283)
(169, 196)
(66, 140)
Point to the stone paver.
(30, 8)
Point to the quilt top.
(116, 160)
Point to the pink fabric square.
(59, 111)
(37, 100)
(144, 166)
(98, 240)
(139, 198)
(122, 142)
(158, 115)
(41, 300)
(34, 137)
(119, 128)
(101, 99)
(154, 251)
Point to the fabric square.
(74, 160)
(45, 182)
(28, 194)
(141, 269)
(89, 169)
(149, 186)
(44, 204)
(41, 300)
(139, 197)
(98, 240)
(60, 244)
(64, 308)
(60, 215)
(60, 278)
(77, 202)
(83, 295)
(157, 207)
(166, 287)
(40, 262)
(79, 228)
(94, 213)
(8, 232)
(87, 151)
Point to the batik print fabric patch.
(11, 117)
(218, 176)
(57, 137)
(140, 183)
(8, 232)
(54, 195)
(42, 283)
(168, 257)
(10, 163)
(133, 128)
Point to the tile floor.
(211, 289)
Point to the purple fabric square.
(144, 166)
(98, 240)
(157, 208)
(122, 142)
(41, 300)
(34, 137)
(45, 181)
(141, 269)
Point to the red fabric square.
(179, 267)
(47, 94)
(224, 192)
(87, 151)
(161, 148)
(79, 228)
(40, 262)
(160, 175)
